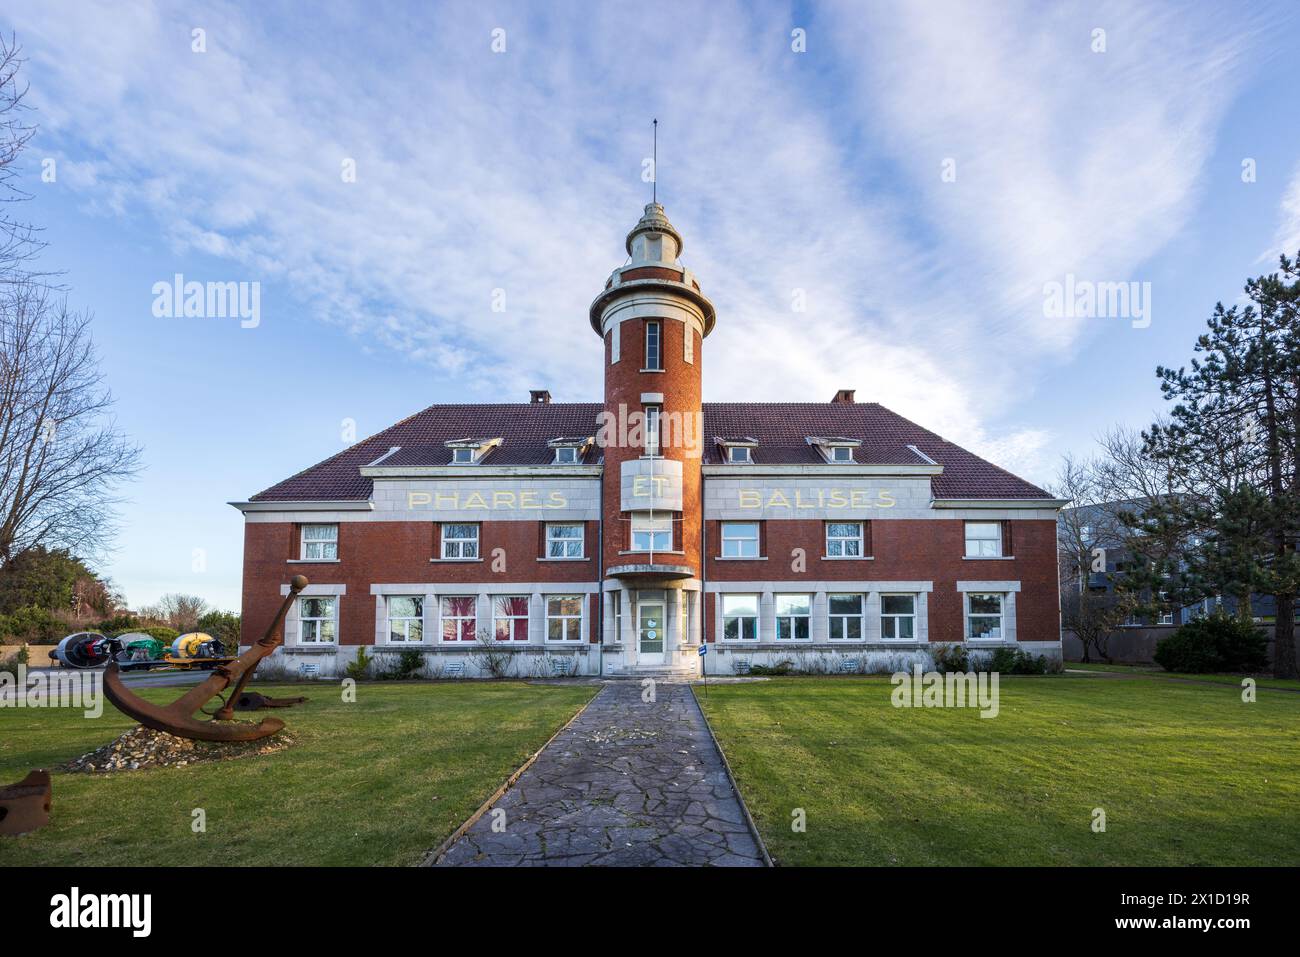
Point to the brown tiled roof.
(781, 428)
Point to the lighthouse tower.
(653, 319)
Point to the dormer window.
(470, 451)
(835, 449)
(737, 450)
(569, 450)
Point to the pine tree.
(1232, 439)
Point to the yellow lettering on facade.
(503, 499)
(838, 499)
(778, 499)
(441, 501)
(858, 498)
(418, 499)
(750, 498)
(528, 499)
(640, 486)
(558, 500)
(475, 500)
(886, 498)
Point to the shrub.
(356, 670)
(950, 658)
(31, 624)
(161, 632)
(1216, 643)
(782, 667)
(1015, 661)
(118, 625)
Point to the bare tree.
(1094, 603)
(61, 455)
(19, 241)
(179, 611)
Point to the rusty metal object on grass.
(25, 806)
(252, 701)
(178, 717)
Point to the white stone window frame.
(445, 542)
(566, 455)
(821, 590)
(981, 542)
(807, 618)
(898, 617)
(526, 618)
(330, 545)
(574, 623)
(832, 617)
(723, 615)
(565, 543)
(740, 454)
(1008, 591)
(652, 429)
(844, 540)
(443, 618)
(645, 523)
(422, 618)
(726, 539)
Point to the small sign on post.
(704, 650)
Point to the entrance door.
(650, 632)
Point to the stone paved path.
(627, 784)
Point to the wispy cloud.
(813, 174)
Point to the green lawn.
(380, 781)
(1186, 773)
(1155, 671)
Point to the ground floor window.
(740, 617)
(898, 617)
(510, 617)
(792, 616)
(405, 618)
(984, 614)
(617, 604)
(563, 617)
(459, 620)
(846, 617)
(318, 618)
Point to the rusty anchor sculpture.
(178, 717)
(25, 806)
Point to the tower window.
(654, 345)
(652, 445)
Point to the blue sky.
(821, 171)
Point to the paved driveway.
(629, 783)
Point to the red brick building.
(616, 537)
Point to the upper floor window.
(984, 616)
(793, 613)
(846, 617)
(405, 618)
(983, 539)
(740, 539)
(564, 541)
(652, 533)
(843, 539)
(459, 541)
(320, 542)
(653, 344)
(739, 454)
(318, 620)
(841, 453)
(566, 455)
(652, 446)
(740, 617)
(462, 456)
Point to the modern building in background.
(617, 537)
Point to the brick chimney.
(843, 397)
(540, 396)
